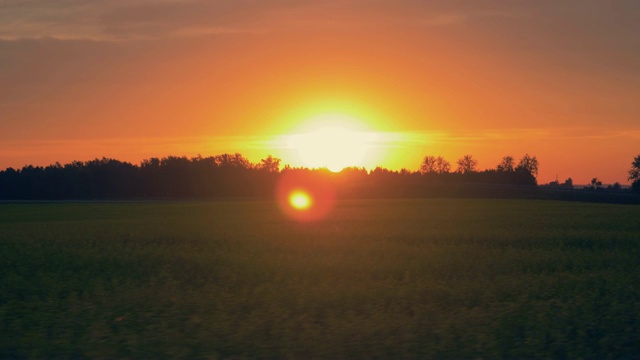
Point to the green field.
(376, 279)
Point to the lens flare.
(300, 200)
(304, 195)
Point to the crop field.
(439, 278)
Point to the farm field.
(437, 278)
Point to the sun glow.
(333, 142)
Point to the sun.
(300, 200)
(333, 142)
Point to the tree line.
(234, 176)
(528, 165)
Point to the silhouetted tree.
(434, 165)
(528, 164)
(467, 164)
(442, 165)
(236, 160)
(616, 187)
(568, 183)
(428, 165)
(380, 171)
(507, 164)
(634, 174)
(232, 175)
(595, 184)
(270, 164)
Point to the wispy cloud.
(121, 20)
(413, 138)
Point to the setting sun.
(333, 142)
(300, 200)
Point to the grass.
(376, 279)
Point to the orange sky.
(136, 79)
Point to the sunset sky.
(133, 79)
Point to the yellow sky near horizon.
(397, 150)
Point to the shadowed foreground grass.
(385, 279)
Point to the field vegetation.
(454, 278)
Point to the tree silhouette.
(528, 164)
(428, 165)
(507, 164)
(634, 174)
(433, 165)
(442, 165)
(467, 164)
(616, 187)
(270, 164)
(232, 161)
(234, 176)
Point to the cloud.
(410, 139)
(121, 20)
(64, 19)
(118, 19)
(171, 18)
